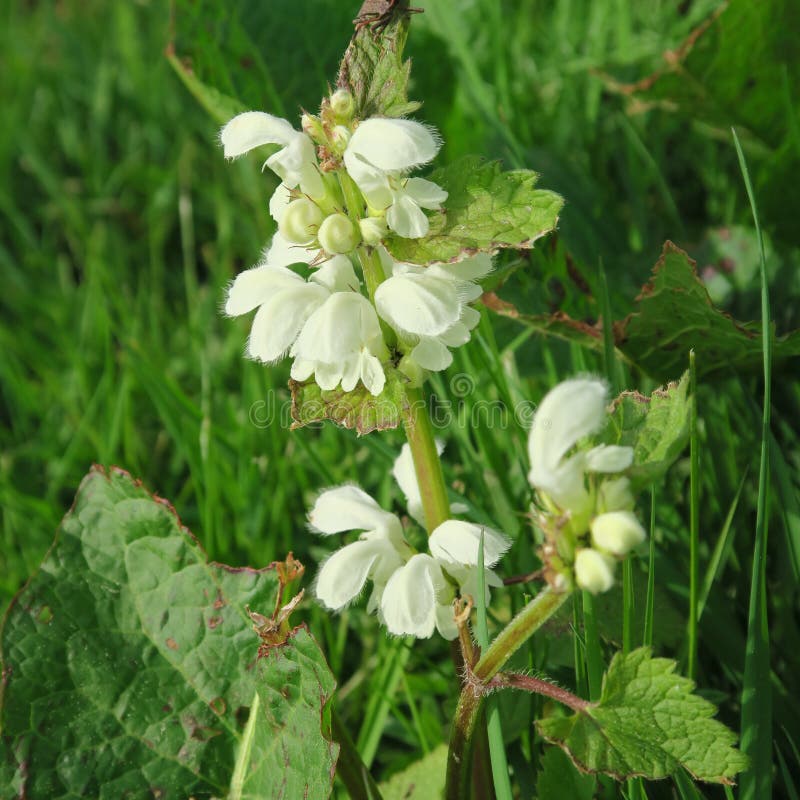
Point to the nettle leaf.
(647, 723)
(675, 314)
(372, 67)
(358, 410)
(656, 427)
(130, 666)
(486, 209)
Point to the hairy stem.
(518, 631)
(427, 464)
(528, 683)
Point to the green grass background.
(122, 224)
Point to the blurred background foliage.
(122, 225)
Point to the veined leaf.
(656, 427)
(648, 723)
(130, 666)
(486, 209)
(422, 780)
(374, 71)
(357, 410)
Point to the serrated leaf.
(675, 314)
(373, 68)
(422, 780)
(221, 107)
(656, 427)
(559, 779)
(286, 755)
(486, 209)
(357, 410)
(647, 723)
(128, 663)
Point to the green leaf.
(221, 107)
(358, 410)
(374, 71)
(558, 779)
(128, 665)
(675, 315)
(486, 209)
(422, 780)
(656, 427)
(648, 723)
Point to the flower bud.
(373, 229)
(337, 234)
(617, 532)
(342, 103)
(312, 126)
(300, 221)
(340, 136)
(594, 571)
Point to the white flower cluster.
(412, 592)
(587, 504)
(324, 322)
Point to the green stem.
(243, 755)
(511, 638)
(518, 631)
(427, 464)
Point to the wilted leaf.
(374, 71)
(649, 723)
(486, 209)
(357, 410)
(129, 664)
(675, 314)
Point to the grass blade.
(694, 520)
(497, 748)
(756, 783)
(650, 602)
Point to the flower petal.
(424, 193)
(574, 409)
(458, 542)
(296, 165)
(431, 354)
(408, 604)
(446, 621)
(342, 576)
(253, 286)
(594, 571)
(281, 198)
(252, 129)
(372, 181)
(406, 476)
(372, 374)
(336, 275)
(406, 218)
(469, 269)
(609, 458)
(394, 144)
(617, 532)
(282, 252)
(348, 508)
(418, 304)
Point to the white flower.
(377, 157)
(295, 163)
(284, 300)
(617, 532)
(573, 410)
(429, 306)
(341, 343)
(412, 592)
(379, 551)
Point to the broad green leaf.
(358, 410)
(486, 209)
(221, 107)
(422, 780)
(675, 314)
(128, 664)
(656, 427)
(559, 779)
(648, 723)
(373, 68)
